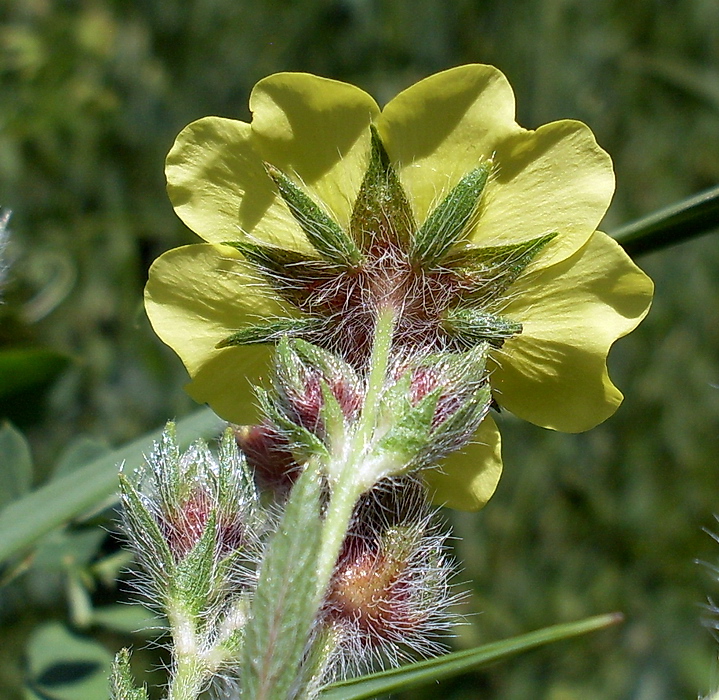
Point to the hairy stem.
(349, 484)
(190, 670)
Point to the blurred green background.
(92, 94)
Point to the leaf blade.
(443, 667)
(27, 519)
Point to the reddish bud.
(372, 590)
(268, 454)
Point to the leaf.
(283, 609)
(433, 670)
(80, 451)
(127, 619)
(15, 464)
(63, 666)
(677, 223)
(27, 519)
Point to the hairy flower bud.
(194, 522)
(268, 454)
(389, 596)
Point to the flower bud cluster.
(429, 407)
(196, 526)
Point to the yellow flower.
(524, 269)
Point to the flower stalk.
(349, 470)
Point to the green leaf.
(677, 223)
(283, 609)
(25, 520)
(27, 368)
(122, 685)
(15, 464)
(63, 666)
(446, 225)
(433, 670)
(127, 619)
(80, 451)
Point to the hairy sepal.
(452, 218)
(325, 235)
(382, 214)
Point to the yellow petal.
(467, 479)
(554, 373)
(444, 126)
(554, 179)
(197, 296)
(316, 130)
(227, 380)
(219, 188)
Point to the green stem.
(349, 485)
(188, 679)
(676, 223)
(190, 670)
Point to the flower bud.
(268, 454)
(194, 521)
(389, 595)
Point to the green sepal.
(283, 609)
(328, 363)
(294, 276)
(402, 445)
(381, 213)
(486, 272)
(272, 331)
(303, 443)
(195, 576)
(332, 417)
(122, 684)
(235, 487)
(167, 478)
(471, 326)
(451, 219)
(325, 234)
(145, 533)
(458, 428)
(290, 372)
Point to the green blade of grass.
(674, 224)
(433, 670)
(25, 520)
